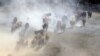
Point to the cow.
(64, 21)
(60, 26)
(41, 38)
(81, 16)
(16, 26)
(23, 36)
(14, 23)
(89, 14)
(46, 21)
(14, 20)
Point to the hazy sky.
(34, 10)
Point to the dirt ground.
(74, 42)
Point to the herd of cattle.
(41, 36)
(80, 16)
(39, 39)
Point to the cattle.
(16, 26)
(41, 38)
(81, 16)
(26, 26)
(89, 14)
(14, 23)
(23, 37)
(14, 20)
(46, 21)
(60, 26)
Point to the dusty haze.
(74, 42)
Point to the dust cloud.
(73, 42)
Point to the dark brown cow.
(89, 14)
(41, 38)
(81, 15)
